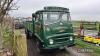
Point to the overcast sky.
(80, 9)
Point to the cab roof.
(53, 9)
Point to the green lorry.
(51, 28)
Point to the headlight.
(71, 38)
(51, 41)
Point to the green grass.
(7, 37)
(82, 44)
(76, 25)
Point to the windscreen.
(53, 17)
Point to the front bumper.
(62, 45)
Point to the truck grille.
(60, 40)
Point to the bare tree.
(5, 6)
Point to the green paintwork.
(29, 25)
(60, 32)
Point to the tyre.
(38, 45)
(33, 37)
(25, 31)
(27, 34)
(30, 35)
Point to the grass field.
(87, 25)
(82, 44)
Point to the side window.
(40, 17)
(37, 18)
(37, 23)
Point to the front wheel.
(39, 47)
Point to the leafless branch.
(4, 7)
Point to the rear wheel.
(27, 34)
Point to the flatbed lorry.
(51, 28)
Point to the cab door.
(38, 25)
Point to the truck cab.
(52, 27)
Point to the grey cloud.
(78, 8)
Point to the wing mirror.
(33, 15)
